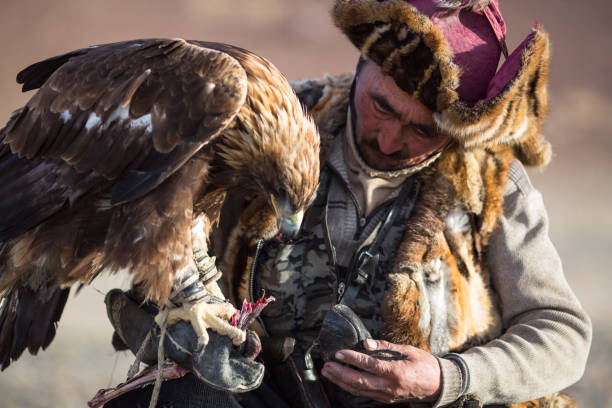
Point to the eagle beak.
(289, 223)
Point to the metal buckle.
(364, 267)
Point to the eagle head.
(273, 150)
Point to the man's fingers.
(348, 377)
(365, 387)
(363, 361)
(359, 383)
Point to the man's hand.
(415, 377)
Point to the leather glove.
(219, 365)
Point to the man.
(424, 179)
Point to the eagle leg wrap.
(189, 289)
(206, 265)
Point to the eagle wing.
(130, 113)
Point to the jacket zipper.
(351, 195)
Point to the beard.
(371, 154)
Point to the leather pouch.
(342, 329)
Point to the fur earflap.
(406, 44)
(514, 114)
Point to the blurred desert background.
(299, 38)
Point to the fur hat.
(445, 54)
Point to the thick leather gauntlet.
(219, 365)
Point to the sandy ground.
(299, 38)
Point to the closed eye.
(427, 132)
(382, 106)
(379, 108)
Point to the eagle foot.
(202, 305)
(209, 312)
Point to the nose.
(390, 138)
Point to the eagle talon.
(204, 315)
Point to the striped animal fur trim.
(515, 116)
(406, 44)
(439, 297)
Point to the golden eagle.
(122, 161)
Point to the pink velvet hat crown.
(475, 36)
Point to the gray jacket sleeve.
(547, 334)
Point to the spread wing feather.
(128, 113)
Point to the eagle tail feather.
(28, 319)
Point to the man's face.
(392, 129)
